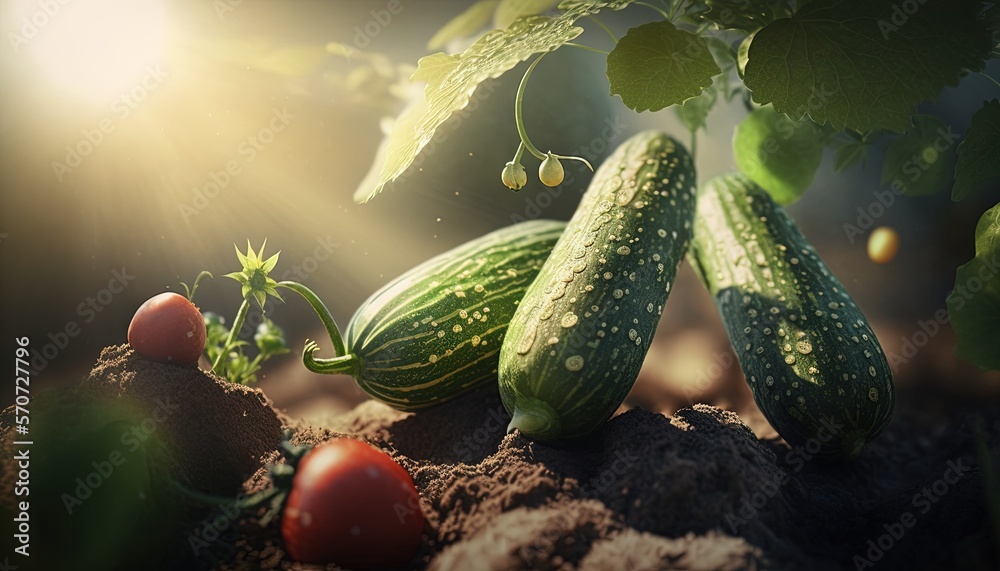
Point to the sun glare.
(95, 48)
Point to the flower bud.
(514, 176)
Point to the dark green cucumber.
(813, 363)
(576, 343)
(435, 331)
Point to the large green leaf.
(979, 154)
(656, 65)
(865, 64)
(919, 162)
(777, 153)
(974, 304)
(470, 21)
(452, 79)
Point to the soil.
(694, 490)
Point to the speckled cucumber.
(435, 331)
(576, 343)
(813, 363)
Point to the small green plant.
(235, 365)
(223, 348)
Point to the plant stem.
(241, 317)
(583, 47)
(518, 115)
(324, 314)
(675, 7)
(345, 365)
(194, 286)
(657, 8)
(995, 82)
(344, 362)
(694, 144)
(604, 27)
(519, 153)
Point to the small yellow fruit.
(551, 172)
(883, 245)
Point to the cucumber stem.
(533, 418)
(324, 314)
(343, 365)
(344, 362)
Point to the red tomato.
(352, 505)
(168, 328)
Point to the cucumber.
(814, 366)
(435, 331)
(576, 343)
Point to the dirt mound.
(694, 491)
(222, 432)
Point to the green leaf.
(473, 19)
(919, 162)
(510, 10)
(723, 52)
(865, 64)
(656, 65)
(452, 79)
(988, 233)
(593, 6)
(974, 304)
(743, 14)
(778, 154)
(694, 111)
(979, 153)
(848, 154)
(742, 54)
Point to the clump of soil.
(221, 432)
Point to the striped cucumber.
(813, 363)
(577, 341)
(435, 331)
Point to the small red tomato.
(352, 505)
(168, 328)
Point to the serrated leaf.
(452, 79)
(849, 154)
(656, 65)
(865, 64)
(593, 6)
(510, 10)
(979, 153)
(919, 162)
(974, 304)
(694, 111)
(473, 19)
(778, 154)
(743, 15)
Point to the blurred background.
(140, 140)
